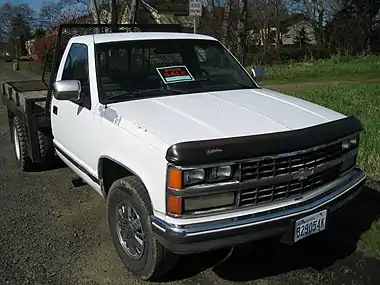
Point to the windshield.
(141, 69)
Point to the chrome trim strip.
(351, 180)
(159, 227)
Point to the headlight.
(179, 179)
(180, 182)
(220, 173)
(350, 143)
(354, 141)
(193, 176)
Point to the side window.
(76, 68)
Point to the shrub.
(286, 54)
(41, 47)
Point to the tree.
(266, 16)
(242, 30)
(39, 33)
(20, 33)
(227, 23)
(352, 27)
(5, 21)
(317, 11)
(16, 22)
(54, 12)
(106, 11)
(302, 38)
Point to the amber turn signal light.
(174, 205)
(174, 178)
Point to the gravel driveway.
(52, 232)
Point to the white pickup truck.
(189, 152)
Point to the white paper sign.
(195, 8)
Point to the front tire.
(128, 212)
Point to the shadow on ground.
(56, 164)
(270, 257)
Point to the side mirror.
(67, 90)
(257, 72)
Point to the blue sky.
(35, 4)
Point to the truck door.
(73, 123)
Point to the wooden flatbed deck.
(22, 91)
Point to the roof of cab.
(116, 37)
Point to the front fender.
(146, 164)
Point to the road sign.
(195, 8)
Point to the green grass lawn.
(370, 241)
(345, 68)
(29, 66)
(363, 101)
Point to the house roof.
(292, 19)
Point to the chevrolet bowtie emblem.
(303, 174)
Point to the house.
(290, 27)
(293, 25)
(29, 45)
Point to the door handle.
(55, 110)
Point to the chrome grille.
(274, 167)
(283, 190)
(266, 171)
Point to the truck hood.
(219, 114)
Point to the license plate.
(310, 225)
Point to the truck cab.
(190, 153)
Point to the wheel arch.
(109, 170)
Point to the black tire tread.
(46, 150)
(163, 259)
(25, 163)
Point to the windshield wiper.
(143, 93)
(213, 80)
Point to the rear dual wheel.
(20, 146)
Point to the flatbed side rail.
(33, 116)
(67, 31)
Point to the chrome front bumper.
(261, 224)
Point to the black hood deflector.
(246, 147)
